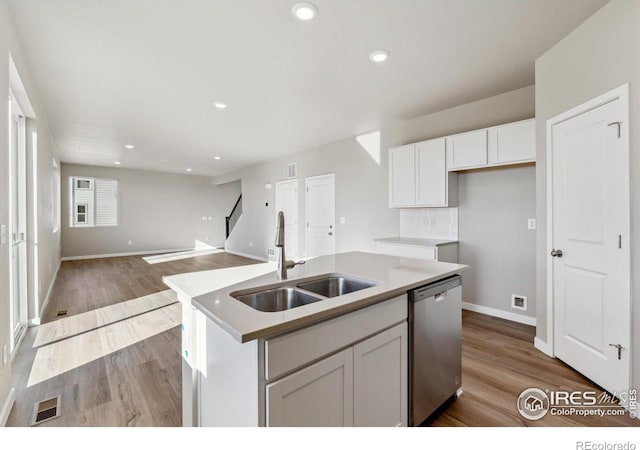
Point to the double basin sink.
(303, 293)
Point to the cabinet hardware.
(556, 253)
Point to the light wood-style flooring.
(140, 384)
(135, 382)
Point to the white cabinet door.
(431, 173)
(467, 150)
(380, 379)
(402, 184)
(513, 142)
(318, 395)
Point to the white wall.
(362, 198)
(600, 55)
(48, 241)
(157, 211)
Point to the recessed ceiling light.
(217, 158)
(117, 163)
(189, 169)
(220, 105)
(379, 56)
(304, 11)
(129, 146)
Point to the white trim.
(48, 296)
(499, 313)
(115, 255)
(6, 408)
(622, 93)
(247, 255)
(543, 347)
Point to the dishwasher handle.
(438, 289)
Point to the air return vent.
(46, 410)
(292, 170)
(62, 312)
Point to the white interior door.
(18, 222)
(287, 202)
(590, 227)
(320, 215)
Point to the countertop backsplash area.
(429, 223)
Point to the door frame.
(620, 93)
(306, 209)
(293, 181)
(14, 179)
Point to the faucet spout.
(282, 262)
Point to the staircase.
(234, 215)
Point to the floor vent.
(62, 312)
(46, 410)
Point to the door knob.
(330, 233)
(556, 253)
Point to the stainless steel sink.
(279, 299)
(335, 286)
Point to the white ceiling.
(146, 72)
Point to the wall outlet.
(531, 224)
(250, 244)
(204, 217)
(130, 242)
(210, 218)
(343, 220)
(271, 252)
(5, 355)
(519, 302)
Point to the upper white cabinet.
(418, 176)
(512, 143)
(431, 173)
(402, 178)
(467, 150)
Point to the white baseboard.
(36, 321)
(247, 255)
(543, 347)
(499, 313)
(115, 255)
(6, 408)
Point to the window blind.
(106, 203)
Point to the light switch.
(3, 234)
(531, 224)
(343, 220)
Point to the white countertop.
(418, 242)
(210, 290)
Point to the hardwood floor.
(499, 361)
(136, 385)
(140, 384)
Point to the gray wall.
(601, 54)
(48, 241)
(362, 197)
(157, 211)
(494, 205)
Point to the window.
(94, 202)
(81, 213)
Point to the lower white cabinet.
(316, 396)
(380, 379)
(363, 385)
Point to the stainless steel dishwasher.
(435, 346)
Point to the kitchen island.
(334, 361)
